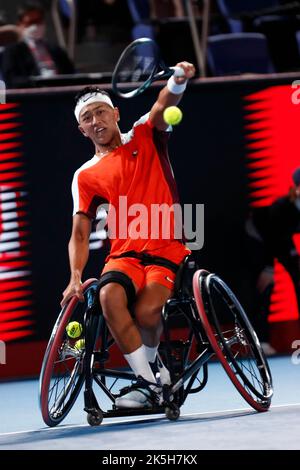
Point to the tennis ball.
(74, 329)
(80, 344)
(172, 115)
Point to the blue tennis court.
(216, 418)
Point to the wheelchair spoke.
(245, 356)
(62, 394)
(251, 372)
(63, 384)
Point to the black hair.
(28, 6)
(89, 90)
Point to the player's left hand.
(189, 72)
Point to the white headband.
(91, 98)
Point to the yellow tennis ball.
(172, 115)
(80, 344)
(74, 329)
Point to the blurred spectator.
(9, 34)
(33, 55)
(270, 233)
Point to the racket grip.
(178, 71)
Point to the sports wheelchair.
(213, 324)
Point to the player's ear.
(117, 114)
(82, 131)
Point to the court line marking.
(142, 418)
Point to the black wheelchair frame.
(198, 298)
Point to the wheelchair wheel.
(233, 339)
(62, 373)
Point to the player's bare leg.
(128, 337)
(148, 317)
(147, 311)
(113, 301)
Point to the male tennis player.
(140, 270)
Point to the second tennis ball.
(80, 344)
(172, 115)
(74, 329)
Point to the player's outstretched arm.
(170, 95)
(78, 255)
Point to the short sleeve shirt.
(136, 181)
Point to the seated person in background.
(270, 233)
(9, 34)
(33, 55)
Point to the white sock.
(151, 356)
(139, 364)
(151, 353)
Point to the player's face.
(98, 121)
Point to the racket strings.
(136, 66)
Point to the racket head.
(137, 67)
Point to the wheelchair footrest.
(133, 411)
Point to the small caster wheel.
(172, 413)
(95, 418)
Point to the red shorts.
(143, 275)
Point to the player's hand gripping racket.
(140, 65)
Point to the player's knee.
(112, 299)
(148, 317)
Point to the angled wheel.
(62, 374)
(233, 339)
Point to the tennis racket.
(139, 65)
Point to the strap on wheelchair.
(148, 260)
(119, 278)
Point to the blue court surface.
(215, 418)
